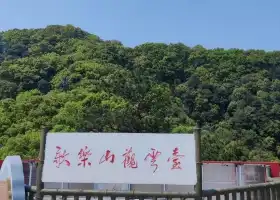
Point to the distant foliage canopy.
(69, 80)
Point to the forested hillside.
(69, 80)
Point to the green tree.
(69, 80)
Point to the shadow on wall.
(12, 170)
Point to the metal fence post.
(198, 187)
(39, 172)
(30, 173)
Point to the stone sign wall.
(139, 158)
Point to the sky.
(246, 24)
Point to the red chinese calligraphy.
(61, 157)
(129, 159)
(153, 155)
(83, 157)
(108, 156)
(176, 159)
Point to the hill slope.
(69, 80)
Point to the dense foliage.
(69, 80)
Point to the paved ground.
(108, 198)
(83, 198)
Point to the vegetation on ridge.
(69, 80)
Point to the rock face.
(12, 170)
